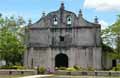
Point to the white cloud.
(102, 5)
(104, 24)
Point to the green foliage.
(78, 68)
(106, 48)
(71, 69)
(42, 70)
(11, 43)
(18, 67)
(11, 48)
(114, 55)
(90, 69)
(61, 68)
(117, 68)
(108, 51)
(111, 37)
(12, 67)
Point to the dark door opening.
(61, 60)
(114, 63)
(61, 38)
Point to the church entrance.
(61, 60)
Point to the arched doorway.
(61, 60)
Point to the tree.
(11, 40)
(111, 37)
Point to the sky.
(105, 10)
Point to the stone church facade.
(63, 39)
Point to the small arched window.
(69, 20)
(55, 20)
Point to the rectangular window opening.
(61, 38)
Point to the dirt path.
(35, 76)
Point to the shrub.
(18, 67)
(90, 69)
(12, 67)
(118, 65)
(78, 68)
(114, 69)
(117, 68)
(71, 69)
(42, 70)
(4, 67)
(62, 68)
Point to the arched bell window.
(55, 20)
(69, 20)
